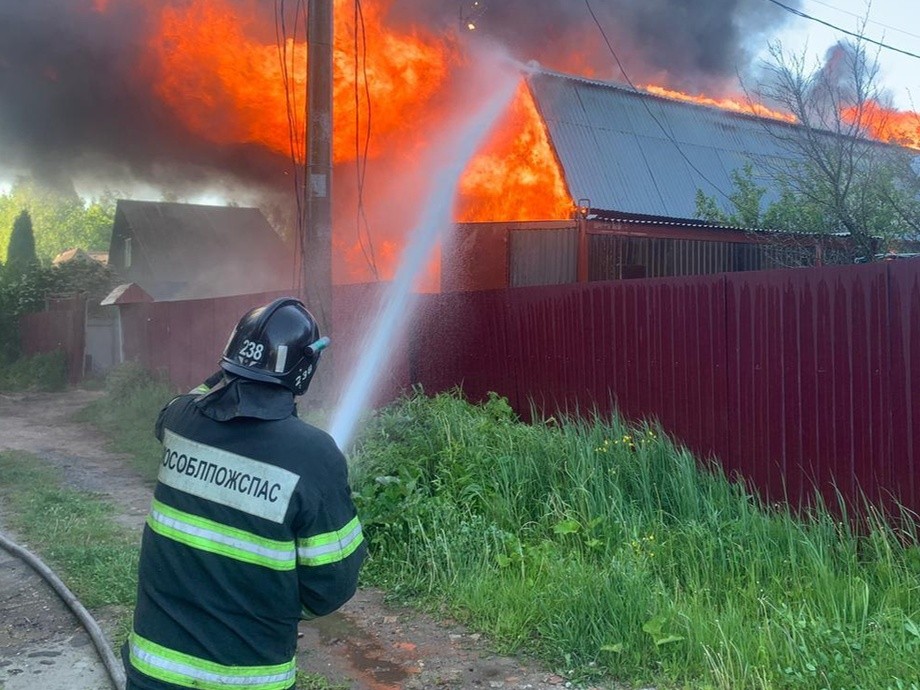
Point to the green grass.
(73, 532)
(604, 550)
(45, 372)
(126, 414)
(314, 681)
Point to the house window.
(128, 252)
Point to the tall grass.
(604, 549)
(127, 412)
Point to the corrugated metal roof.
(637, 153)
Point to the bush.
(44, 372)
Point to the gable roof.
(193, 250)
(78, 254)
(632, 152)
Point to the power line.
(296, 143)
(861, 37)
(365, 241)
(860, 17)
(669, 135)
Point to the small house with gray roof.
(179, 251)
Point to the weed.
(42, 372)
(314, 681)
(604, 548)
(127, 413)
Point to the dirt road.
(367, 645)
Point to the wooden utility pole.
(317, 240)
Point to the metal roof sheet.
(633, 152)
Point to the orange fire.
(886, 124)
(739, 106)
(219, 70)
(516, 176)
(229, 88)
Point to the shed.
(187, 251)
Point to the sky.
(894, 22)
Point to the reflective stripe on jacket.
(251, 528)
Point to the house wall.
(489, 256)
(547, 257)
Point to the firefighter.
(252, 526)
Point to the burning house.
(631, 164)
(206, 96)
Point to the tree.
(789, 211)
(59, 221)
(834, 177)
(858, 185)
(20, 254)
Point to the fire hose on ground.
(112, 664)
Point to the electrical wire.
(670, 135)
(361, 156)
(296, 143)
(861, 37)
(860, 17)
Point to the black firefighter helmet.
(278, 343)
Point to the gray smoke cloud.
(687, 44)
(74, 98)
(76, 101)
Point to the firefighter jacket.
(252, 527)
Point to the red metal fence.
(793, 379)
(183, 340)
(61, 327)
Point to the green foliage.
(127, 413)
(74, 532)
(790, 212)
(59, 222)
(831, 176)
(604, 549)
(20, 254)
(44, 372)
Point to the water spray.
(398, 300)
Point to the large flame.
(516, 176)
(230, 88)
(886, 124)
(219, 71)
(746, 106)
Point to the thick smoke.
(689, 45)
(77, 97)
(76, 102)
